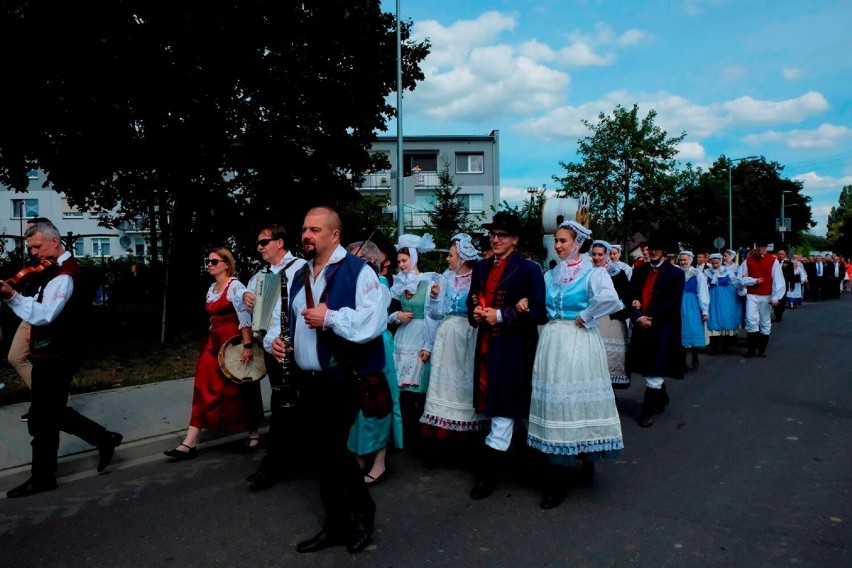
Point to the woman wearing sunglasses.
(217, 403)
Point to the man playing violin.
(19, 350)
(55, 314)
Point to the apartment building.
(474, 164)
(80, 230)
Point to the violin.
(25, 272)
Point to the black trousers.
(330, 409)
(49, 413)
(285, 409)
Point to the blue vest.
(341, 280)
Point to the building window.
(24, 208)
(421, 161)
(473, 202)
(79, 248)
(470, 163)
(69, 212)
(140, 250)
(32, 174)
(100, 247)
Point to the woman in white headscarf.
(449, 411)
(695, 307)
(573, 417)
(414, 336)
(725, 304)
(613, 328)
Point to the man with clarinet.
(269, 312)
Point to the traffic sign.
(718, 242)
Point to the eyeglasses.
(501, 236)
(264, 242)
(214, 261)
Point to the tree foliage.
(839, 232)
(449, 215)
(207, 119)
(627, 166)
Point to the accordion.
(267, 292)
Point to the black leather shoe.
(190, 454)
(482, 488)
(30, 487)
(263, 479)
(360, 539)
(107, 449)
(320, 541)
(646, 420)
(552, 498)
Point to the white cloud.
(752, 111)
(826, 136)
(817, 184)
(792, 73)
(583, 55)
(469, 77)
(583, 48)
(690, 151)
(451, 45)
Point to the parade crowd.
(490, 355)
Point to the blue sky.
(740, 78)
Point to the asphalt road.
(749, 466)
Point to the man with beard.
(272, 245)
(337, 316)
(655, 345)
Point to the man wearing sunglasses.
(272, 246)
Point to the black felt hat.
(505, 221)
(662, 239)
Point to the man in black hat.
(762, 276)
(505, 342)
(655, 343)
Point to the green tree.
(205, 119)
(624, 159)
(449, 214)
(839, 226)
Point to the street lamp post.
(731, 200)
(782, 226)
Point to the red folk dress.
(217, 403)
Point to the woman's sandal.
(251, 444)
(177, 455)
(371, 481)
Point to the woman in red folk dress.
(217, 402)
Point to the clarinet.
(287, 392)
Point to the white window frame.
(470, 163)
(28, 205)
(99, 244)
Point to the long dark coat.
(656, 351)
(511, 349)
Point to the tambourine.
(236, 370)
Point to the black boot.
(648, 402)
(713, 348)
(694, 358)
(685, 358)
(725, 342)
(751, 344)
(555, 486)
(762, 342)
(661, 400)
(486, 473)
